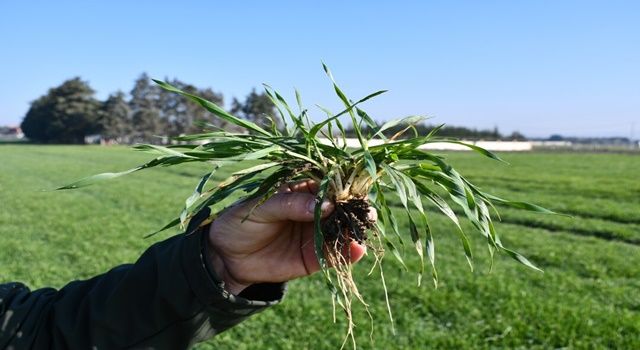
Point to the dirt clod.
(348, 222)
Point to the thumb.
(294, 206)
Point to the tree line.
(70, 112)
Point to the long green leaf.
(412, 192)
(90, 180)
(395, 252)
(521, 205)
(415, 237)
(163, 151)
(298, 126)
(521, 259)
(370, 165)
(347, 103)
(366, 118)
(350, 107)
(197, 193)
(172, 223)
(317, 224)
(430, 247)
(478, 149)
(395, 122)
(442, 205)
(87, 181)
(256, 168)
(386, 219)
(399, 185)
(385, 212)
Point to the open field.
(588, 297)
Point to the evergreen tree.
(146, 108)
(66, 114)
(115, 121)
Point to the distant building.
(11, 133)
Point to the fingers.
(309, 186)
(294, 206)
(295, 202)
(357, 251)
(354, 252)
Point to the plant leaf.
(431, 251)
(478, 149)
(197, 193)
(255, 168)
(397, 183)
(521, 259)
(90, 180)
(415, 237)
(370, 165)
(392, 123)
(395, 252)
(366, 118)
(442, 205)
(163, 151)
(317, 224)
(521, 205)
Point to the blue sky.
(539, 67)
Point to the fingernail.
(311, 206)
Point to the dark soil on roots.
(348, 222)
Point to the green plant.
(354, 179)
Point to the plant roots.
(349, 222)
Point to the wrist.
(219, 267)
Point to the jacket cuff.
(209, 288)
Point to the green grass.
(588, 297)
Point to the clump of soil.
(349, 222)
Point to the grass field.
(588, 297)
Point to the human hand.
(275, 242)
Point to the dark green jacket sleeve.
(169, 299)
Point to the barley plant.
(353, 178)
